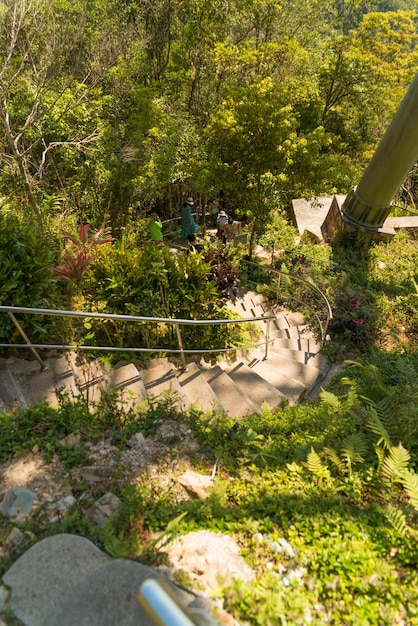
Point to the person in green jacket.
(155, 228)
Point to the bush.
(26, 276)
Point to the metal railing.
(279, 290)
(12, 310)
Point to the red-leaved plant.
(75, 266)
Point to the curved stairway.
(294, 369)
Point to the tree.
(50, 67)
(255, 144)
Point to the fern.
(410, 484)
(396, 518)
(334, 458)
(315, 465)
(396, 463)
(385, 411)
(352, 397)
(374, 423)
(330, 399)
(407, 374)
(354, 447)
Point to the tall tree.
(50, 65)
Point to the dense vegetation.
(112, 111)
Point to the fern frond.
(354, 447)
(407, 373)
(410, 484)
(396, 518)
(385, 411)
(315, 465)
(380, 457)
(330, 399)
(376, 426)
(352, 397)
(334, 458)
(396, 463)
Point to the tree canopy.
(108, 106)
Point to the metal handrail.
(328, 310)
(176, 322)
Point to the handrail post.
(266, 353)
(44, 366)
(180, 342)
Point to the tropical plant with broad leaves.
(77, 264)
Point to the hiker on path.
(188, 225)
(220, 224)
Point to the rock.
(17, 502)
(13, 539)
(70, 441)
(64, 504)
(136, 440)
(95, 473)
(196, 485)
(107, 596)
(4, 598)
(105, 508)
(40, 576)
(209, 558)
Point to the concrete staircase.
(294, 369)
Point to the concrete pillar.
(368, 204)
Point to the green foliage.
(26, 277)
(322, 502)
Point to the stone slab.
(310, 213)
(235, 402)
(104, 597)
(197, 389)
(289, 387)
(159, 377)
(127, 379)
(39, 578)
(258, 389)
(64, 376)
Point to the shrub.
(26, 276)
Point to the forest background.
(113, 109)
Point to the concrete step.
(234, 401)
(307, 345)
(158, 376)
(307, 375)
(291, 388)
(126, 378)
(64, 376)
(88, 376)
(198, 390)
(276, 350)
(254, 386)
(43, 387)
(292, 332)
